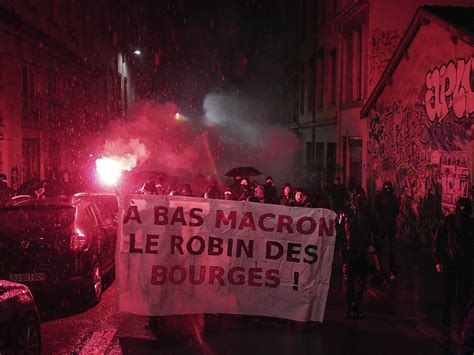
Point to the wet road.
(398, 320)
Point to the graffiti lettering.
(449, 88)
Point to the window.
(31, 159)
(311, 88)
(348, 70)
(116, 94)
(356, 65)
(354, 85)
(314, 16)
(331, 161)
(303, 22)
(85, 218)
(354, 55)
(355, 167)
(302, 89)
(321, 78)
(320, 154)
(28, 93)
(333, 56)
(322, 10)
(309, 153)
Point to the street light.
(137, 52)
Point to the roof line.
(422, 17)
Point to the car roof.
(39, 203)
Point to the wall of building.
(419, 138)
(59, 60)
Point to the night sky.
(193, 48)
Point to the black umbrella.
(243, 171)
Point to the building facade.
(344, 47)
(420, 115)
(64, 73)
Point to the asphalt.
(404, 318)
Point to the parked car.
(19, 320)
(55, 246)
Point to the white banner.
(186, 255)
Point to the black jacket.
(355, 227)
(454, 242)
(386, 207)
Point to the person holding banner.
(354, 224)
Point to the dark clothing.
(387, 208)
(454, 242)
(322, 201)
(340, 197)
(466, 346)
(67, 188)
(354, 283)
(244, 194)
(356, 231)
(5, 193)
(453, 248)
(271, 194)
(286, 201)
(354, 224)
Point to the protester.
(148, 188)
(339, 195)
(212, 191)
(5, 192)
(37, 190)
(259, 195)
(301, 199)
(355, 229)
(323, 199)
(66, 185)
(270, 191)
(453, 255)
(386, 209)
(245, 191)
(286, 194)
(185, 190)
(228, 194)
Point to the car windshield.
(108, 208)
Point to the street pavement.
(399, 319)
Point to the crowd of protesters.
(365, 239)
(58, 187)
(243, 189)
(366, 235)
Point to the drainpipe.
(340, 155)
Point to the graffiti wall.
(421, 143)
(382, 45)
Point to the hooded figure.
(270, 191)
(386, 209)
(453, 255)
(355, 222)
(245, 191)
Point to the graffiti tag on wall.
(415, 153)
(382, 46)
(449, 88)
